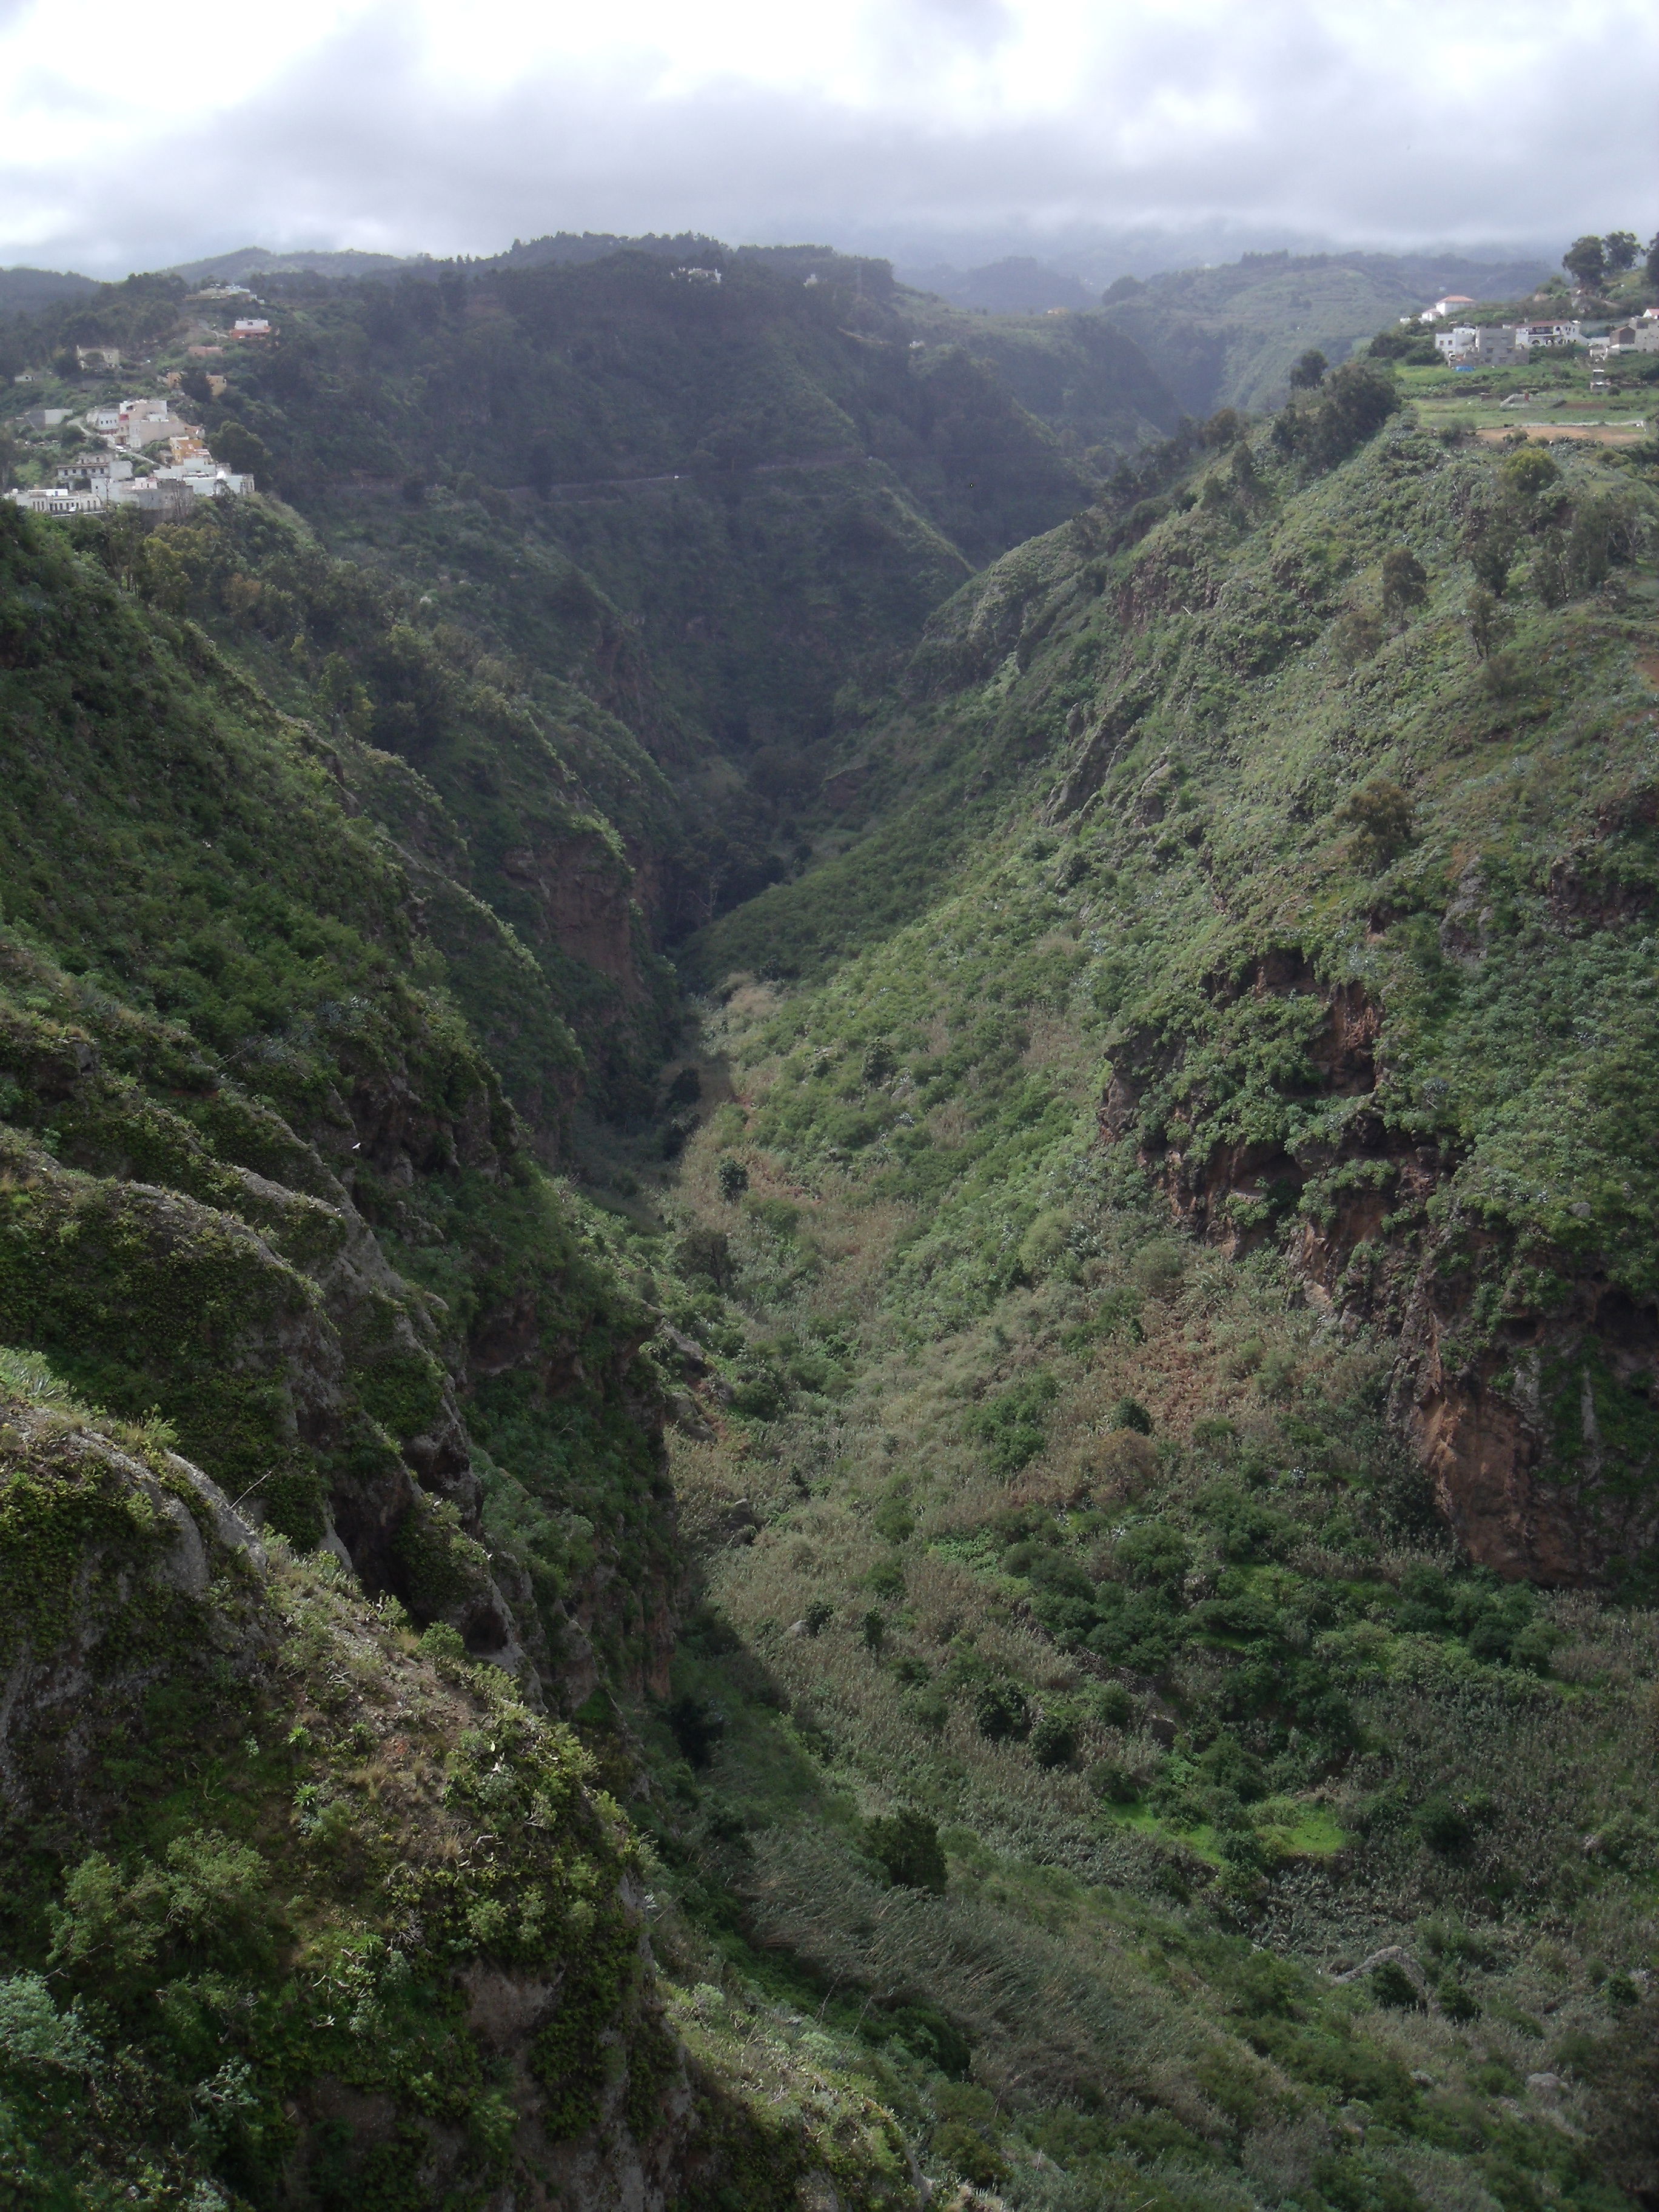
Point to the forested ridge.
(827, 1292)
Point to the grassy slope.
(1096, 1546)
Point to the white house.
(1489, 345)
(1528, 335)
(151, 422)
(205, 478)
(250, 326)
(94, 471)
(1449, 306)
(58, 501)
(169, 500)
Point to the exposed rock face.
(1536, 1427)
(584, 908)
(106, 1539)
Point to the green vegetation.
(1051, 1486)
(1324, 952)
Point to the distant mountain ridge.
(258, 260)
(23, 290)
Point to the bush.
(1054, 1740)
(1382, 816)
(696, 1727)
(1110, 1779)
(1159, 1268)
(1393, 1987)
(1001, 1709)
(1112, 1704)
(886, 1578)
(966, 2152)
(1011, 1424)
(762, 1395)
(906, 1846)
(705, 1255)
(1155, 1554)
(1443, 1825)
(1357, 636)
(1488, 624)
(1622, 2075)
(1130, 1413)
(1528, 473)
(732, 1178)
(893, 1519)
(1405, 580)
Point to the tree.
(1488, 623)
(1528, 471)
(1309, 371)
(1491, 551)
(1381, 813)
(1621, 248)
(1586, 262)
(732, 1178)
(1354, 402)
(1405, 580)
(1652, 269)
(238, 447)
(906, 1846)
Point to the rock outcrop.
(1533, 1416)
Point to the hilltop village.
(127, 449)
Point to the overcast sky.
(134, 137)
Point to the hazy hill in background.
(244, 261)
(1017, 284)
(1227, 336)
(23, 290)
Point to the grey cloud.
(358, 148)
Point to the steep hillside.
(1183, 1218)
(307, 1895)
(765, 469)
(1042, 1587)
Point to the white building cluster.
(91, 483)
(1470, 345)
